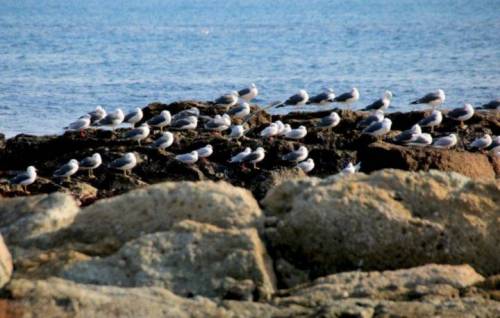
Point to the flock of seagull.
(375, 125)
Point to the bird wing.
(226, 99)
(130, 116)
(156, 120)
(428, 98)
(379, 103)
(457, 112)
(120, 162)
(87, 162)
(318, 98)
(342, 97)
(19, 178)
(235, 110)
(181, 122)
(63, 170)
(373, 127)
(244, 91)
(294, 99)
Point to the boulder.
(474, 165)
(6, 266)
(190, 259)
(387, 220)
(25, 219)
(159, 207)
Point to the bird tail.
(357, 166)
(415, 102)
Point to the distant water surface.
(59, 59)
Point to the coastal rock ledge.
(388, 244)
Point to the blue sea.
(59, 59)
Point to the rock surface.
(190, 259)
(386, 220)
(6, 266)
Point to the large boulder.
(387, 220)
(159, 207)
(25, 219)
(190, 259)
(474, 165)
(6, 266)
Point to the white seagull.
(80, 124)
(67, 170)
(134, 117)
(348, 98)
(446, 142)
(138, 134)
(297, 133)
(227, 100)
(481, 143)
(350, 168)
(91, 163)
(193, 111)
(186, 123)
(461, 114)
(237, 131)
(25, 178)
(421, 140)
(255, 156)
(161, 120)
(239, 111)
(166, 140)
(188, 158)
(249, 92)
(330, 121)
(375, 117)
(324, 98)
(219, 123)
(382, 103)
(125, 163)
(433, 99)
(408, 135)
(113, 119)
(494, 104)
(306, 166)
(379, 129)
(205, 152)
(96, 115)
(299, 99)
(296, 155)
(433, 120)
(239, 157)
(270, 131)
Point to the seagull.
(188, 158)
(249, 93)
(433, 99)
(461, 114)
(446, 142)
(286, 129)
(80, 124)
(297, 133)
(138, 134)
(378, 129)
(98, 114)
(125, 163)
(296, 155)
(255, 156)
(193, 111)
(166, 140)
(481, 143)
(237, 131)
(348, 98)
(408, 135)
(161, 120)
(330, 121)
(382, 103)
(376, 117)
(227, 100)
(205, 152)
(324, 98)
(306, 166)
(25, 178)
(433, 120)
(495, 142)
(239, 111)
(494, 104)
(91, 163)
(350, 168)
(421, 140)
(299, 99)
(113, 119)
(134, 116)
(239, 157)
(186, 123)
(270, 131)
(67, 170)
(218, 123)
(281, 126)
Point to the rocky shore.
(416, 234)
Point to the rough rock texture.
(386, 220)
(474, 165)
(158, 207)
(190, 259)
(25, 219)
(6, 266)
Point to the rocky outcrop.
(6, 266)
(33, 218)
(386, 220)
(190, 259)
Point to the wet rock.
(389, 219)
(474, 165)
(159, 207)
(190, 259)
(6, 266)
(25, 219)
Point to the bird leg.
(432, 129)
